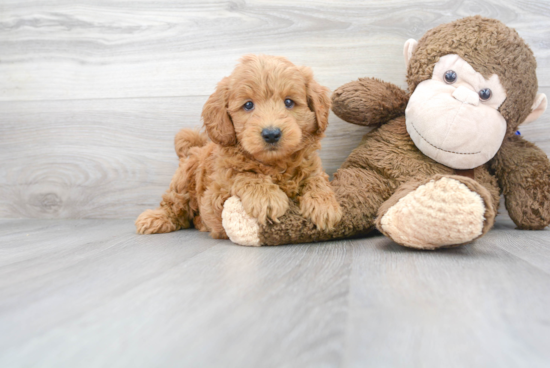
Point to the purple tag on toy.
(517, 132)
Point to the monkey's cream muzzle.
(466, 95)
(449, 123)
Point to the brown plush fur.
(491, 48)
(387, 164)
(239, 162)
(385, 101)
(523, 173)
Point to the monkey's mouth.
(441, 149)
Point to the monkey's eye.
(289, 103)
(249, 105)
(450, 76)
(485, 94)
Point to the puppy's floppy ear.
(216, 117)
(318, 100)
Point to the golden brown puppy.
(265, 123)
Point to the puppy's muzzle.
(271, 135)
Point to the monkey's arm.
(523, 173)
(369, 101)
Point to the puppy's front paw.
(263, 204)
(322, 208)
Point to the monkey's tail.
(187, 139)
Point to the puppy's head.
(269, 106)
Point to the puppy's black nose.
(271, 135)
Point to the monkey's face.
(453, 117)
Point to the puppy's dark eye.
(450, 76)
(249, 105)
(485, 94)
(289, 103)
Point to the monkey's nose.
(466, 95)
(271, 135)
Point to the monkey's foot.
(239, 226)
(442, 212)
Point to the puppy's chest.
(289, 180)
(289, 183)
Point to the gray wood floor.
(91, 293)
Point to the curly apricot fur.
(237, 160)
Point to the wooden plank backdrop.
(92, 92)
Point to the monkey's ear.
(318, 100)
(539, 107)
(216, 118)
(408, 49)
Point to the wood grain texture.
(106, 158)
(79, 49)
(92, 92)
(91, 293)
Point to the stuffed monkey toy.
(430, 174)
